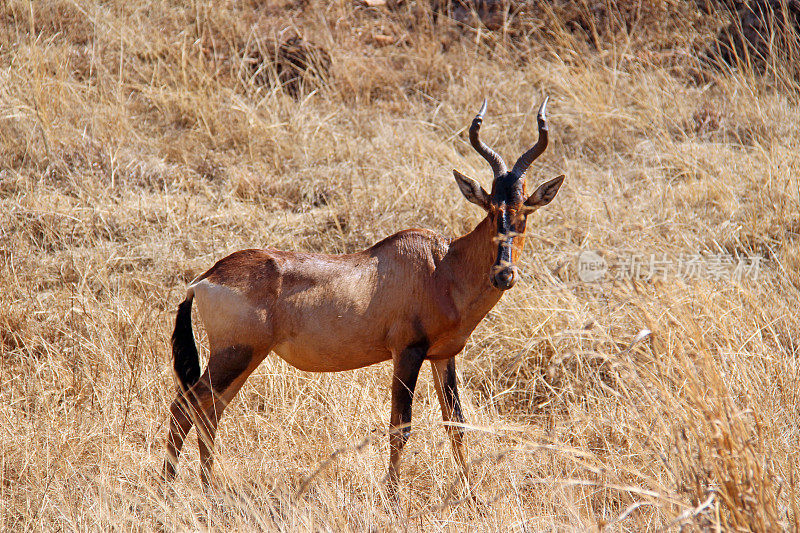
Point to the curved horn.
(528, 157)
(497, 164)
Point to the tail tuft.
(184, 351)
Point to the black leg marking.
(202, 405)
(227, 365)
(444, 375)
(224, 376)
(404, 380)
(450, 389)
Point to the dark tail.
(184, 351)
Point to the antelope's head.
(508, 205)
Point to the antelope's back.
(324, 312)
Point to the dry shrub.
(63, 21)
(763, 37)
(294, 65)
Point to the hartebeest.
(411, 297)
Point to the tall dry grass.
(137, 146)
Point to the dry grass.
(136, 148)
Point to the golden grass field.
(140, 142)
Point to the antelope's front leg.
(444, 378)
(406, 369)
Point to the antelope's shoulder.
(413, 242)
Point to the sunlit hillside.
(642, 376)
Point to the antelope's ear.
(472, 190)
(544, 194)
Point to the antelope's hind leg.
(180, 422)
(404, 379)
(444, 378)
(204, 403)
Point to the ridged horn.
(522, 164)
(495, 161)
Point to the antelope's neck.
(470, 259)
